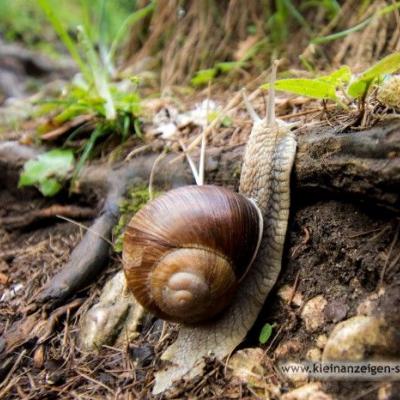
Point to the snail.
(208, 257)
(186, 252)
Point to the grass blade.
(88, 148)
(358, 27)
(129, 22)
(64, 36)
(98, 72)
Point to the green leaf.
(99, 73)
(98, 132)
(358, 88)
(47, 171)
(265, 333)
(338, 77)
(138, 130)
(226, 121)
(56, 21)
(316, 88)
(203, 76)
(228, 66)
(50, 187)
(387, 65)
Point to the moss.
(134, 200)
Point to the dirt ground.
(336, 248)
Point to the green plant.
(111, 107)
(338, 35)
(328, 87)
(204, 76)
(30, 25)
(266, 332)
(48, 171)
(95, 70)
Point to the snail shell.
(185, 252)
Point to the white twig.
(202, 157)
(249, 107)
(191, 163)
(204, 142)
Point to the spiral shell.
(185, 252)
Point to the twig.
(30, 217)
(192, 165)
(395, 237)
(295, 285)
(95, 381)
(85, 228)
(137, 150)
(204, 142)
(51, 322)
(250, 109)
(12, 370)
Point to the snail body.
(186, 252)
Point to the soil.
(335, 248)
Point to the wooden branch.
(32, 216)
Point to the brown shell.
(207, 231)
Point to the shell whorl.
(185, 252)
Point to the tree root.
(28, 218)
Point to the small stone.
(247, 366)
(289, 347)
(321, 341)
(336, 310)
(361, 338)
(368, 305)
(314, 354)
(114, 319)
(385, 392)
(310, 391)
(313, 313)
(144, 355)
(55, 373)
(286, 294)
